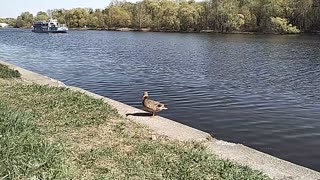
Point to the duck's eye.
(159, 105)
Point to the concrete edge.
(159, 125)
(32, 77)
(273, 167)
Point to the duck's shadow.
(139, 114)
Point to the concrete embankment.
(238, 153)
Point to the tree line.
(278, 16)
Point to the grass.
(6, 72)
(73, 136)
(24, 153)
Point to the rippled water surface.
(259, 90)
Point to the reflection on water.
(262, 91)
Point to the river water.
(258, 90)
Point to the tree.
(118, 17)
(191, 15)
(59, 14)
(301, 13)
(154, 9)
(24, 20)
(77, 17)
(10, 21)
(170, 20)
(41, 16)
(226, 15)
(142, 16)
(188, 15)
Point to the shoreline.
(238, 153)
(186, 32)
(202, 31)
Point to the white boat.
(49, 26)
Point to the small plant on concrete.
(6, 72)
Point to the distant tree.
(142, 17)
(77, 17)
(186, 15)
(10, 21)
(170, 16)
(302, 13)
(41, 16)
(59, 14)
(226, 15)
(155, 11)
(24, 20)
(118, 17)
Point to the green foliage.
(41, 16)
(170, 16)
(59, 14)
(24, 20)
(280, 25)
(10, 21)
(187, 15)
(6, 72)
(77, 17)
(118, 17)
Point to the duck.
(151, 105)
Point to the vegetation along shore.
(267, 16)
(55, 133)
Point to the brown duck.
(151, 105)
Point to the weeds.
(6, 72)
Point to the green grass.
(24, 153)
(6, 72)
(91, 141)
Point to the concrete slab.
(238, 153)
(273, 167)
(33, 77)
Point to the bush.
(281, 25)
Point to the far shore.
(173, 31)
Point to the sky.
(13, 8)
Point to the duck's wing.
(154, 105)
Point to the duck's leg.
(153, 114)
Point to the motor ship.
(49, 26)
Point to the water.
(258, 90)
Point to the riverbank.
(168, 31)
(202, 31)
(53, 132)
(164, 31)
(161, 127)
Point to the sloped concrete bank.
(271, 166)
